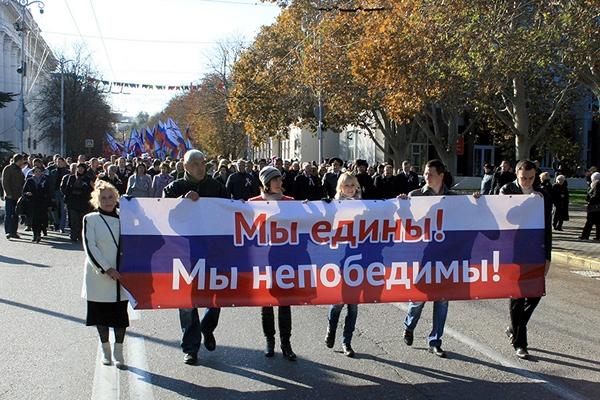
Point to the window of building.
(482, 155)
(418, 156)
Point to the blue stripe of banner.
(143, 254)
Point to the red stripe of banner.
(156, 290)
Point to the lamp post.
(62, 106)
(23, 4)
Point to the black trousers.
(520, 312)
(591, 220)
(284, 319)
(76, 222)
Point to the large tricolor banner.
(177, 253)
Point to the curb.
(575, 261)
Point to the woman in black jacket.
(37, 192)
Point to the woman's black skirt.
(107, 314)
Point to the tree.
(205, 109)
(530, 57)
(141, 120)
(6, 98)
(267, 95)
(87, 115)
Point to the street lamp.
(23, 4)
(62, 105)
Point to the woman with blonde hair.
(106, 298)
(347, 188)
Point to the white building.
(302, 144)
(39, 62)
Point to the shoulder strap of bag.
(110, 230)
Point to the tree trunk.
(444, 139)
(520, 117)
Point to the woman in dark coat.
(37, 193)
(560, 200)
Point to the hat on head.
(268, 173)
(335, 159)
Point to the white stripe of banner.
(211, 216)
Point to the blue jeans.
(192, 328)
(349, 323)
(440, 311)
(11, 221)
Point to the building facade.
(39, 62)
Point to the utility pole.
(62, 106)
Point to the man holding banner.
(521, 309)
(434, 186)
(195, 184)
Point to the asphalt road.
(46, 351)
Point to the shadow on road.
(308, 379)
(17, 261)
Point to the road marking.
(493, 355)
(140, 382)
(275, 377)
(134, 315)
(106, 379)
(588, 274)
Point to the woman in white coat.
(106, 299)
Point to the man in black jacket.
(195, 184)
(386, 184)
(502, 177)
(522, 309)
(55, 176)
(306, 185)
(330, 178)
(241, 184)
(407, 180)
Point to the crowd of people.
(81, 197)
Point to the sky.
(157, 42)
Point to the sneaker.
(347, 350)
(408, 337)
(509, 333)
(522, 353)
(437, 350)
(190, 358)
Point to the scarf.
(272, 196)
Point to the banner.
(177, 253)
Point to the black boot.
(286, 349)
(330, 338)
(270, 348)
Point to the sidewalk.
(576, 253)
(566, 248)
